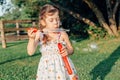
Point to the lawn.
(94, 60)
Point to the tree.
(111, 27)
(98, 17)
(30, 7)
(111, 9)
(23, 9)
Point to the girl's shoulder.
(63, 34)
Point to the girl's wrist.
(70, 52)
(31, 38)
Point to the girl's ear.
(42, 22)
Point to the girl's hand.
(31, 33)
(63, 52)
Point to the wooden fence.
(17, 29)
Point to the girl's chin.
(56, 26)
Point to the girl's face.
(52, 21)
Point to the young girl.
(51, 65)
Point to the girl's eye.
(51, 20)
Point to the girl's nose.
(55, 21)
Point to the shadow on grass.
(10, 44)
(104, 67)
(20, 58)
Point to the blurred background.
(94, 32)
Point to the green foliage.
(15, 14)
(24, 9)
(98, 33)
(80, 30)
(29, 9)
(10, 26)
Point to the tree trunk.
(111, 17)
(76, 15)
(80, 18)
(118, 1)
(118, 5)
(99, 16)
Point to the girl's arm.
(69, 47)
(33, 41)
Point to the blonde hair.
(46, 10)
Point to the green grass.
(102, 63)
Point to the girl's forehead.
(55, 15)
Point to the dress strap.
(59, 35)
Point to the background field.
(94, 60)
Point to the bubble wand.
(46, 32)
(67, 64)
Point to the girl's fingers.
(31, 34)
(31, 31)
(63, 52)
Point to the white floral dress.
(51, 65)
